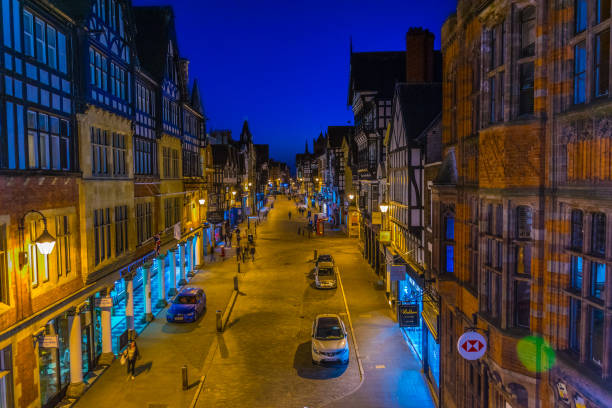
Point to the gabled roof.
(335, 134)
(245, 134)
(376, 71)
(154, 29)
(419, 103)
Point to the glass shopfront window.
(409, 291)
(433, 360)
(54, 363)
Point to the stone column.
(129, 302)
(146, 270)
(161, 275)
(182, 248)
(172, 291)
(76, 387)
(199, 248)
(192, 256)
(106, 307)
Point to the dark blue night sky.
(283, 65)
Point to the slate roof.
(262, 154)
(420, 103)
(220, 154)
(376, 71)
(335, 135)
(78, 10)
(154, 28)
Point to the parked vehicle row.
(329, 336)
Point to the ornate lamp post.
(45, 241)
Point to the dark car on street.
(324, 258)
(187, 306)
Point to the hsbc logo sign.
(472, 345)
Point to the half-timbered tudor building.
(373, 76)
(39, 165)
(337, 160)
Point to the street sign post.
(472, 345)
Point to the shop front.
(431, 346)
(54, 361)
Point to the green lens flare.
(535, 353)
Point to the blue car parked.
(187, 306)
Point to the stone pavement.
(165, 348)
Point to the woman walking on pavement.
(131, 354)
(253, 253)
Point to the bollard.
(236, 283)
(185, 379)
(219, 321)
(315, 253)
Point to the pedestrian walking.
(223, 252)
(238, 253)
(253, 253)
(298, 230)
(245, 253)
(212, 253)
(290, 215)
(129, 356)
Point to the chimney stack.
(184, 77)
(419, 55)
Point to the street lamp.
(351, 196)
(45, 241)
(202, 201)
(384, 207)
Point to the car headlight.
(315, 350)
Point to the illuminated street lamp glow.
(201, 201)
(45, 242)
(384, 207)
(233, 193)
(351, 196)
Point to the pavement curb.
(357, 355)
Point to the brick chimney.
(419, 55)
(184, 77)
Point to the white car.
(326, 276)
(329, 340)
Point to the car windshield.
(325, 258)
(185, 300)
(329, 329)
(326, 272)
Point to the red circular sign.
(472, 345)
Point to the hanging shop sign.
(49, 342)
(408, 314)
(106, 301)
(385, 237)
(472, 345)
(563, 394)
(376, 218)
(431, 314)
(397, 272)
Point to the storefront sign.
(408, 314)
(376, 218)
(397, 272)
(106, 301)
(472, 345)
(49, 342)
(385, 237)
(431, 314)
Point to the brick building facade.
(522, 203)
